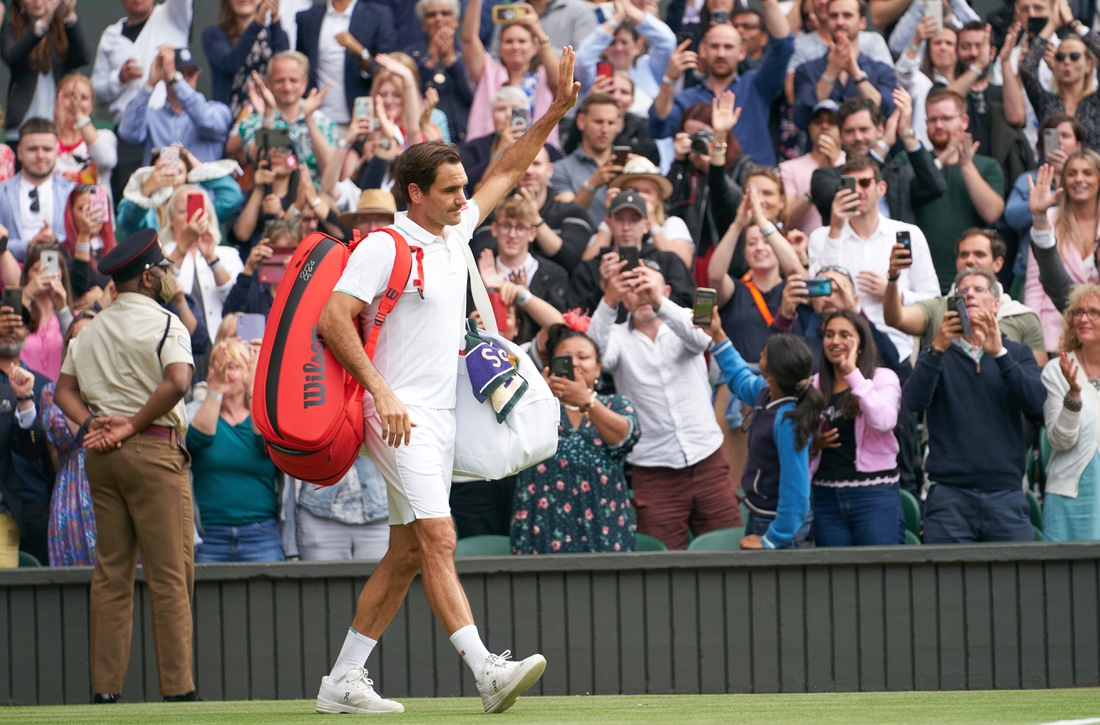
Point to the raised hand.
(1068, 366)
(487, 266)
(260, 86)
(1042, 198)
(568, 89)
(967, 148)
(724, 115)
(315, 98)
(903, 107)
(21, 381)
(682, 59)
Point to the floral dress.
(578, 500)
(72, 530)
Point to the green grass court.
(1024, 707)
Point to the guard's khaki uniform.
(141, 491)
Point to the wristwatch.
(364, 54)
(859, 80)
(86, 423)
(177, 77)
(909, 134)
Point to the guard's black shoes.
(106, 698)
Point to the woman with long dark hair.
(786, 414)
(41, 44)
(47, 297)
(855, 464)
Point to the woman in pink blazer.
(854, 469)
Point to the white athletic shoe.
(503, 681)
(354, 694)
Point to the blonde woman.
(1071, 504)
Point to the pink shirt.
(796, 175)
(493, 79)
(42, 352)
(1034, 297)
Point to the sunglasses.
(1062, 56)
(35, 206)
(865, 183)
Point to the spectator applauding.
(42, 43)
(1071, 501)
(786, 414)
(680, 479)
(855, 472)
(234, 478)
(845, 72)
(441, 64)
(85, 154)
(578, 500)
(721, 49)
(32, 204)
(188, 118)
(975, 390)
(825, 153)
(239, 45)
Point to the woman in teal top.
(234, 479)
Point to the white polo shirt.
(418, 348)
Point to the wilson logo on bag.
(308, 409)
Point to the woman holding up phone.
(46, 293)
(854, 468)
(785, 416)
(578, 500)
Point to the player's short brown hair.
(418, 164)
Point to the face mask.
(167, 289)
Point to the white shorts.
(418, 476)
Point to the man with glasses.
(975, 183)
(750, 23)
(860, 238)
(123, 380)
(975, 390)
(32, 203)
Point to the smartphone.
(48, 263)
(13, 298)
(508, 13)
(605, 69)
(604, 12)
(702, 309)
(99, 202)
(250, 326)
(364, 108)
(195, 202)
(719, 17)
(848, 182)
(630, 254)
(935, 9)
(563, 366)
(1052, 141)
(903, 239)
(819, 287)
(621, 154)
(171, 155)
(683, 36)
(274, 267)
(273, 138)
(958, 304)
(521, 118)
(1035, 26)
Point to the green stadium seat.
(911, 539)
(911, 508)
(1035, 511)
(488, 545)
(720, 540)
(1038, 533)
(1044, 449)
(644, 542)
(103, 124)
(26, 559)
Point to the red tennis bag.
(308, 409)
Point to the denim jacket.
(359, 497)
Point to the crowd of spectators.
(897, 212)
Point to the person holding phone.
(578, 500)
(976, 391)
(1071, 137)
(276, 188)
(582, 176)
(854, 468)
(248, 293)
(46, 294)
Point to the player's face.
(447, 196)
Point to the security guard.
(124, 379)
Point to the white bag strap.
(481, 296)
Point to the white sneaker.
(354, 694)
(503, 681)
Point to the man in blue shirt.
(722, 49)
(844, 72)
(202, 126)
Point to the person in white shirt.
(32, 203)
(681, 479)
(412, 380)
(861, 240)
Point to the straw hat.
(640, 167)
(371, 201)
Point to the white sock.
(468, 643)
(354, 653)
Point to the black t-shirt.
(744, 324)
(981, 120)
(838, 465)
(133, 31)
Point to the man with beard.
(844, 72)
(582, 176)
(721, 50)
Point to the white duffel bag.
(488, 450)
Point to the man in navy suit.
(361, 29)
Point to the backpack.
(308, 409)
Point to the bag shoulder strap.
(477, 289)
(758, 299)
(399, 277)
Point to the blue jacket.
(12, 218)
(248, 295)
(371, 24)
(791, 483)
(29, 445)
(807, 75)
(975, 414)
(755, 92)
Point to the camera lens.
(700, 141)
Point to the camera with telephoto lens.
(701, 141)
